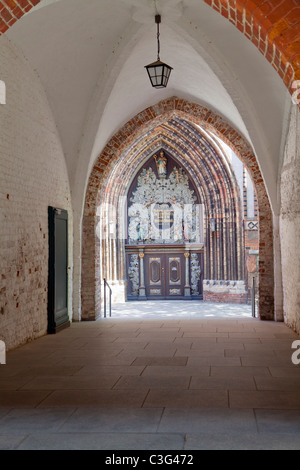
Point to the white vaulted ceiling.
(90, 56)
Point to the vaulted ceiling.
(90, 57)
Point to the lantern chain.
(158, 21)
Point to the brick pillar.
(266, 267)
(91, 279)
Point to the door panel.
(155, 271)
(155, 286)
(174, 271)
(58, 316)
(175, 275)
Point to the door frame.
(136, 267)
(55, 325)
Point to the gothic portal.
(178, 220)
(165, 244)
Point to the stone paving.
(155, 376)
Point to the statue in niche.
(161, 163)
(149, 234)
(178, 174)
(187, 230)
(139, 231)
(146, 174)
(142, 229)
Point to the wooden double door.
(165, 276)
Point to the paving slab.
(113, 420)
(208, 420)
(187, 399)
(24, 421)
(280, 400)
(279, 422)
(160, 382)
(104, 441)
(215, 441)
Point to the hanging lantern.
(159, 72)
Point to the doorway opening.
(182, 136)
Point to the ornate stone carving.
(133, 274)
(163, 210)
(195, 274)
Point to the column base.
(187, 292)
(142, 293)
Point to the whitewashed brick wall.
(33, 176)
(290, 223)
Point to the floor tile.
(187, 399)
(152, 351)
(252, 354)
(160, 361)
(152, 382)
(22, 398)
(215, 441)
(216, 383)
(57, 370)
(24, 421)
(72, 383)
(265, 399)
(264, 361)
(287, 371)
(196, 361)
(279, 421)
(113, 420)
(83, 398)
(14, 383)
(209, 420)
(175, 371)
(105, 441)
(278, 383)
(233, 371)
(104, 371)
(10, 442)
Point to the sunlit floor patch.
(169, 309)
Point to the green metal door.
(58, 315)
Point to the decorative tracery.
(163, 209)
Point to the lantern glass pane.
(159, 74)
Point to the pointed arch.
(137, 136)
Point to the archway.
(104, 179)
(200, 189)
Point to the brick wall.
(225, 298)
(273, 26)
(13, 10)
(233, 292)
(32, 176)
(290, 224)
